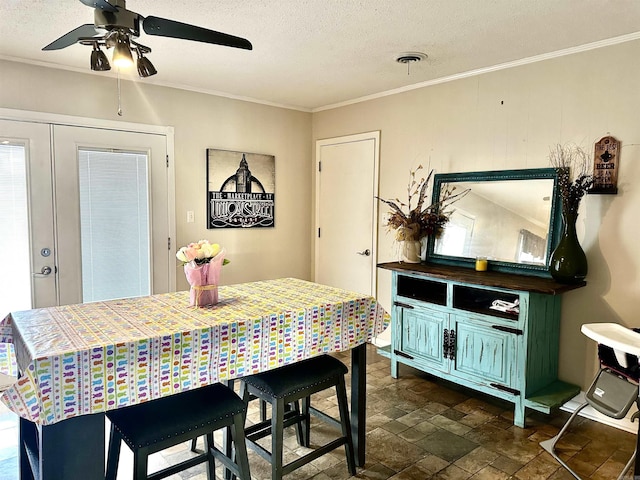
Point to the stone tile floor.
(419, 428)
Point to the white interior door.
(84, 214)
(346, 212)
(112, 213)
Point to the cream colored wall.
(509, 119)
(200, 122)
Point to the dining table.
(76, 362)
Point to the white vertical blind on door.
(15, 280)
(114, 224)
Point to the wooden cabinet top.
(509, 281)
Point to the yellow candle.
(481, 264)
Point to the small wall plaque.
(605, 166)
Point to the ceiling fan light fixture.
(145, 67)
(99, 61)
(122, 57)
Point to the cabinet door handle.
(445, 344)
(403, 305)
(452, 344)
(510, 390)
(508, 329)
(402, 354)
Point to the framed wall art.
(240, 189)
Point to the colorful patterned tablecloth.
(89, 358)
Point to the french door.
(85, 212)
(26, 217)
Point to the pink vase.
(204, 280)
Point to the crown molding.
(494, 68)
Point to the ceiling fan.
(115, 26)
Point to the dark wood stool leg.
(113, 456)
(228, 448)
(343, 406)
(295, 407)
(277, 434)
(263, 410)
(211, 462)
(306, 423)
(227, 445)
(140, 462)
(241, 458)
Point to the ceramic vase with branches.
(568, 261)
(415, 220)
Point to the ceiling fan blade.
(86, 30)
(173, 29)
(101, 4)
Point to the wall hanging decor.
(240, 189)
(605, 166)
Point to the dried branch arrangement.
(575, 175)
(420, 221)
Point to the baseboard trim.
(380, 342)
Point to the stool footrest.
(179, 467)
(263, 429)
(218, 455)
(311, 456)
(323, 416)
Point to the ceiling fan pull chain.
(119, 96)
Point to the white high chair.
(615, 388)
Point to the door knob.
(365, 253)
(43, 273)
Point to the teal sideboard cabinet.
(444, 324)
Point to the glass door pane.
(114, 224)
(15, 282)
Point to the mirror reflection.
(506, 221)
(511, 217)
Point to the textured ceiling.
(310, 54)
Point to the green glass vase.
(568, 261)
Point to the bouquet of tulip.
(202, 264)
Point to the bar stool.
(288, 385)
(152, 426)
